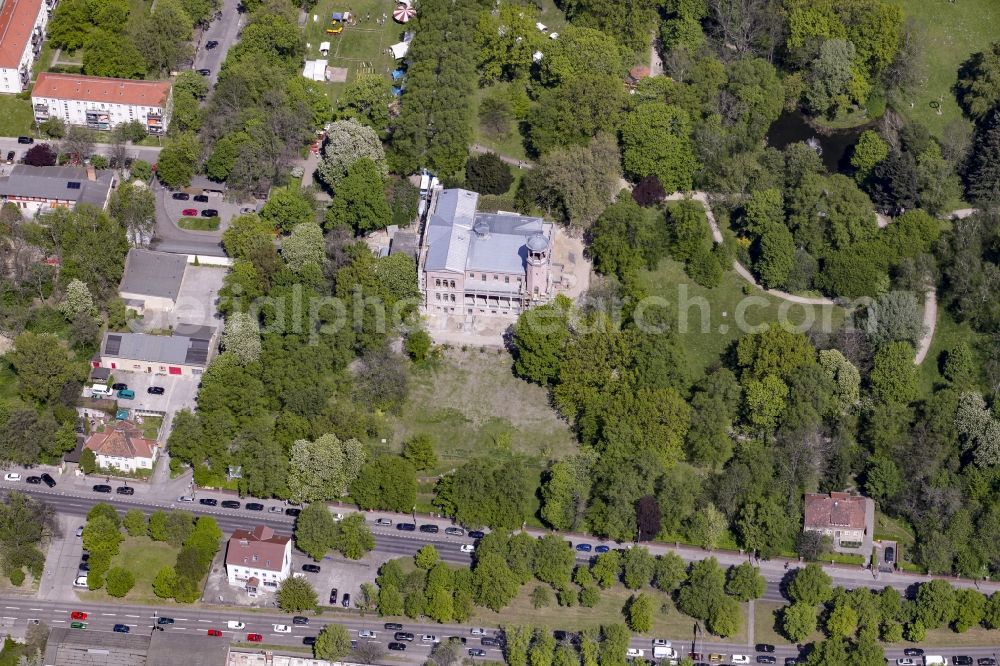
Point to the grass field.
(144, 558)
(947, 333)
(199, 223)
(709, 320)
(16, 116)
(948, 33)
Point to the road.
(225, 30)
(168, 237)
(147, 153)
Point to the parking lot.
(227, 209)
(62, 559)
(179, 392)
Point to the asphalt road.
(168, 237)
(225, 30)
(147, 153)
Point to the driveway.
(62, 559)
(224, 30)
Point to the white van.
(81, 581)
(101, 390)
(235, 624)
(935, 660)
(661, 652)
(635, 652)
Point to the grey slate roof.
(176, 349)
(57, 183)
(69, 647)
(167, 648)
(459, 239)
(153, 273)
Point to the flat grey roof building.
(149, 273)
(191, 349)
(69, 647)
(56, 184)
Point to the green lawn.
(511, 144)
(199, 223)
(709, 320)
(144, 558)
(947, 333)
(16, 117)
(891, 529)
(948, 33)
(151, 426)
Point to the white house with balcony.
(22, 30)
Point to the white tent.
(399, 50)
(324, 48)
(315, 70)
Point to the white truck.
(935, 660)
(664, 652)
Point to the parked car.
(25, 139)
(300, 619)
(384, 522)
(791, 661)
(214, 632)
(397, 647)
(764, 647)
(766, 659)
(11, 476)
(209, 212)
(333, 598)
(119, 386)
(79, 533)
(78, 615)
(740, 659)
(275, 509)
(255, 638)
(476, 534)
(346, 600)
(82, 568)
(121, 628)
(367, 633)
(185, 498)
(402, 636)
(309, 640)
(962, 660)
(231, 504)
(890, 555)
(204, 72)
(125, 490)
(406, 527)
(180, 196)
(254, 506)
(126, 394)
(211, 44)
(635, 652)
(292, 512)
(311, 568)
(189, 212)
(584, 547)
(155, 390)
(101, 488)
(48, 480)
(477, 652)
(429, 638)
(913, 652)
(905, 661)
(33, 480)
(282, 629)
(201, 198)
(208, 501)
(235, 624)
(164, 620)
(477, 631)
(429, 529)
(454, 531)
(392, 626)
(467, 548)
(986, 661)
(487, 641)
(10, 157)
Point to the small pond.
(791, 127)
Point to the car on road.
(48, 480)
(477, 652)
(454, 531)
(247, 210)
(211, 44)
(204, 72)
(468, 548)
(311, 568)
(430, 529)
(402, 636)
(185, 498)
(333, 598)
(254, 506)
(79, 532)
(961, 660)
(235, 624)
(25, 139)
(10, 157)
(300, 619)
(125, 490)
(477, 631)
(392, 626)
(740, 659)
(77, 625)
(81, 581)
(584, 547)
(429, 638)
(397, 647)
(792, 661)
(309, 640)
(913, 652)
(255, 638)
(78, 615)
(155, 390)
(180, 196)
(164, 620)
(405, 527)
(476, 534)
(293, 512)
(487, 641)
(201, 198)
(601, 549)
(119, 387)
(121, 628)
(275, 509)
(384, 522)
(11, 476)
(34, 480)
(764, 647)
(189, 212)
(231, 504)
(209, 212)
(986, 661)
(83, 568)
(905, 661)
(715, 657)
(635, 652)
(367, 633)
(208, 501)
(346, 600)
(766, 659)
(214, 632)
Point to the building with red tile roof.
(101, 103)
(258, 557)
(840, 516)
(121, 446)
(22, 30)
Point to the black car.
(85, 557)
(204, 72)
(791, 661)
(333, 598)
(476, 534)
(486, 641)
(231, 504)
(155, 390)
(309, 640)
(890, 555)
(311, 568)
(254, 506)
(346, 600)
(397, 647)
(33, 479)
(209, 212)
(125, 490)
(299, 619)
(10, 157)
(429, 529)
(765, 647)
(102, 488)
(402, 636)
(119, 386)
(25, 139)
(48, 480)
(961, 661)
(477, 652)
(208, 501)
(986, 661)
(121, 628)
(180, 196)
(211, 44)
(406, 527)
(393, 626)
(84, 567)
(292, 512)
(201, 198)
(766, 659)
(164, 620)
(913, 652)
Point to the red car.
(189, 212)
(214, 632)
(78, 615)
(255, 638)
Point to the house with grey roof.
(38, 189)
(152, 280)
(187, 354)
(477, 263)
